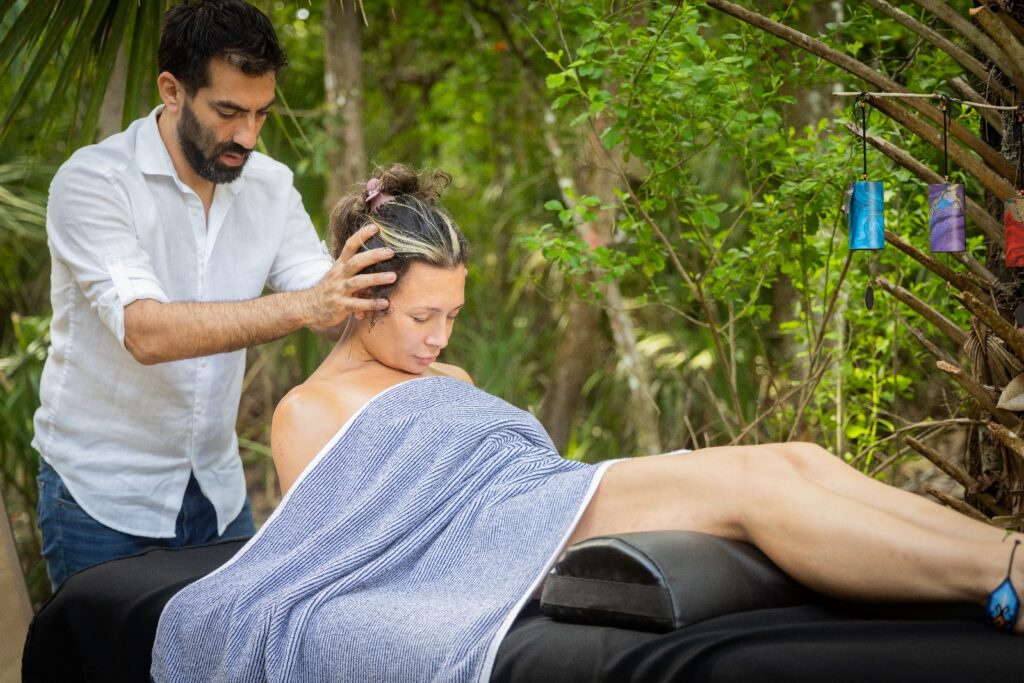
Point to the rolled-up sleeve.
(302, 259)
(90, 230)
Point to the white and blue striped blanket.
(402, 553)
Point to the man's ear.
(172, 92)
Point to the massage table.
(652, 607)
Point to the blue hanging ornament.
(867, 206)
(867, 216)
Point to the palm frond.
(80, 40)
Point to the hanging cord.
(945, 138)
(1020, 151)
(862, 102)
(945, 174)
(864, 131)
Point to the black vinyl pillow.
(663, 580)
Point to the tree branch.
(945, 325)
(995, 322)
(983, 395)
(1014, 444)
(927, 343)
(993, 179)
(958, 505)
(969, 31)
(956, 473)
(967, 60)
(865, 73)
(963, 282)
(983, 274)
(1013, 62)
(965, 91)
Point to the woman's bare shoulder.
(453, 371)
(304, 421)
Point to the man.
(162, 239)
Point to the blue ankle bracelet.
(1003, 602)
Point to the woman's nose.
(438, 337)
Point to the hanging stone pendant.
(869, 297)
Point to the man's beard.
(195, 140)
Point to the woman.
(431, 493)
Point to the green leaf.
(555, 80)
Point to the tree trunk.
(343, 85)
(810, 106)
(602, 180)
(574, 363)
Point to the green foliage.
(727, 200)
(52, 45)
(20, 370)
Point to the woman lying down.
(421, 512)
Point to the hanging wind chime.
(867, 212)
(1013, 217)
(946, 216)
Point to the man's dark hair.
(200, 30)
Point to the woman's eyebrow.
(434, 309)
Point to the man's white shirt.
(121, 226)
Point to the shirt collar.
(152, 157)
(151, 153)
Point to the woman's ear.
(359, 315)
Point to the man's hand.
(336, 297)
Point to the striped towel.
(402, 553)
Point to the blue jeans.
(72, 540)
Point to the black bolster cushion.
(663, 580)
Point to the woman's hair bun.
(405, 187)
(398, 180)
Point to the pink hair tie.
(374, 197)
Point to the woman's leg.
(826, 470)
(829, 542)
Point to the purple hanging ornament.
(947, 223)
(946, 217)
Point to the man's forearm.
(156, 332)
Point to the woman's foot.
(1003, 610)
(1017, 579)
